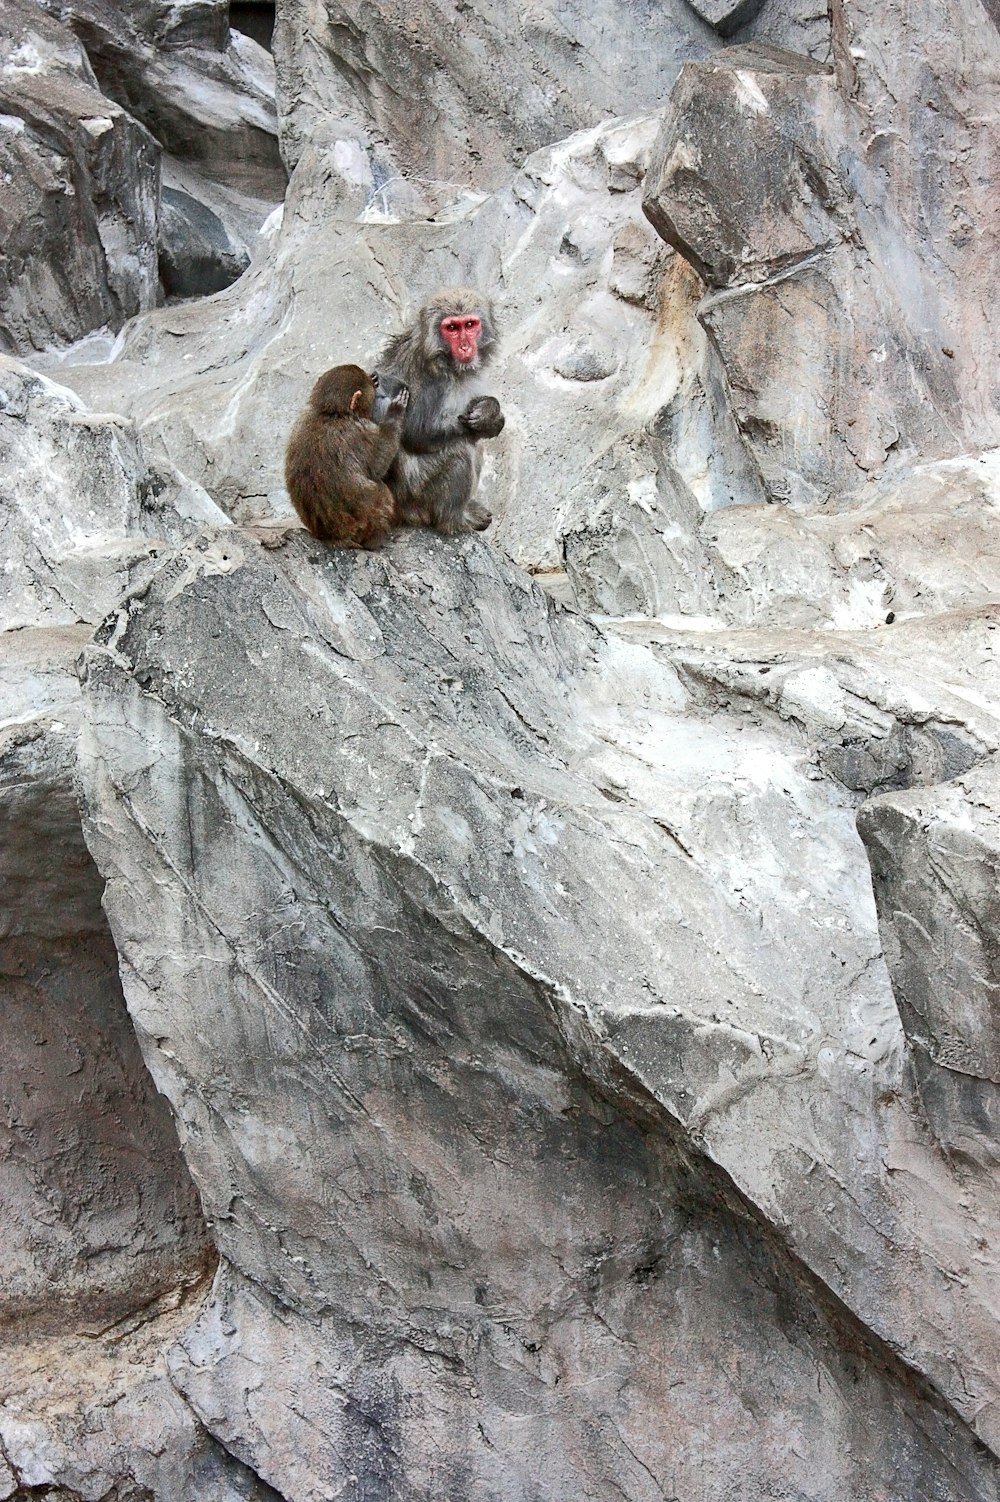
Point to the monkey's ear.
(355, 399)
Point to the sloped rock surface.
(499, 890)
(80, 185)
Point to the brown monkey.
(338, 457)
(440, 357)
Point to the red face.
(461, 334)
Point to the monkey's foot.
(478, 518)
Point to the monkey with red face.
(441, 358)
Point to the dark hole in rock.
(255, 18)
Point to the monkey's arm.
(429, 429)
(384, 441)
(483, 417)
(385, 445)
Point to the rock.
(523, 78)
(197, 255)
(726, 16)
(82, 508)
(204, 92)
(454, 784)
(851, 342)
(79, 181)
(935, 855)
(928, 542)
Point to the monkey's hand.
(399, 403)
(482, 417)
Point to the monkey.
(338, 457)
(440, 358)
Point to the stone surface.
(578, 1037)
(81, 507)
(935, 854)
(418, 938)
(79, 181)
(204, 92)
(196, 254)
(495, 83)
(832, 215)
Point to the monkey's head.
(458, 327)
(345, 391)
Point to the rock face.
(934, 855)
(494, 83)
(204, 92)
(81, 180)
(525, 1054)
(409, 936)
(849, 272)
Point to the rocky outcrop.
(833, 218)
(80, 188)
(501, 82)
(408, 907)
(553, 1058)
(205, 93)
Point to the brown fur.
(338, 457)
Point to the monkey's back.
(327, 483)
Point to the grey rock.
(726, 16)
(79, 181)
(935, 855)
(196, 254)
(83, 511)
(204, 92)
(417, 793)
(926, 542)
(855, 331)
(521, 77)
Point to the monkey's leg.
(408, 480)
(375, 526)
(451, 500)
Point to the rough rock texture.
(494, 82)
(206, 93)
(935, 855)
(81, 507)
(408, 908)
(80, 181)
(578, 1037)
(835, 219)
(197, 255)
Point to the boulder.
(848, 297)
(78, 201)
